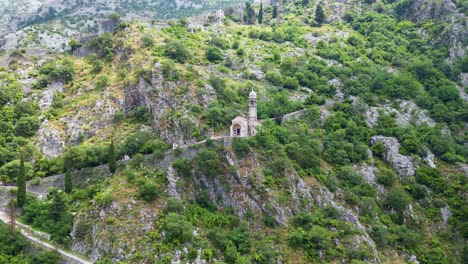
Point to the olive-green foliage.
(278, 104)
(112, 158)
(11, 244)
(12, 170)
(349, 176)
(27, 126)
(52, 217)
(101, 83)
(274, 78)
(214, 54)
(177, 229)
(83, 156)
(183, 167)
(347, 143)
(433, 179)
(141, 142)
(105, 199)
(148, 191)
(170, 71)
(220, 42)
(241, 147)
(147, 40)
(218, 116)
(58, 70)
(68, 182)
(21, 183)
(386, 177)
(103, 45)
(306, 155)
(176, 51)
(209, 163)
(141, 114)
(312, 233)
(397, 199)
(15, 249)
(173, 205)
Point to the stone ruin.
(104, 26)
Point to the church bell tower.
(253, 106)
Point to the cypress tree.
(21, 182)
(275, 12)
(112, 160)
(68, 182)
(250, 14)
(319, 14)
(260, 14)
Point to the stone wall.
(84, 176)
(107, 26)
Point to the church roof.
(252, 94)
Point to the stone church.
(246, 127)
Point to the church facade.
(246, 127)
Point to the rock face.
(67, 19)
(408, 114)
(403, 165)
(162, 98)
(49, 140)
(441, 11)
(48, 94)
(94, 234)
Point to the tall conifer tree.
(21, 182)
(260, 14)
(68, 182)
(319, 14)
(112, 158)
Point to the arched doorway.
(236, 130)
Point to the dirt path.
(69, 256)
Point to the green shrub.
(386, 177)
(105, 199)
(178, 230)
(291, 83)
(141, 142)
(83, 156)
(220, 42)
(274, 78)
(241, 147)
(350, 176)
(103, 45)
(11, 170)
(147, 40)
(148, 191)
(183, 167)
(173, 205)
(170, 71)
(432, 178)
(27, 126)
(176, 51)
(397, 199)
(208, 162)
(214, 54)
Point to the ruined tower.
(253, 106)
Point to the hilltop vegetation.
(323, 185)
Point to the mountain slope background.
(52, 23)
(369, 167)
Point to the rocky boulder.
(404, 165)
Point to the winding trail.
(26, 231)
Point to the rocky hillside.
(52, 23)
(360, 158)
